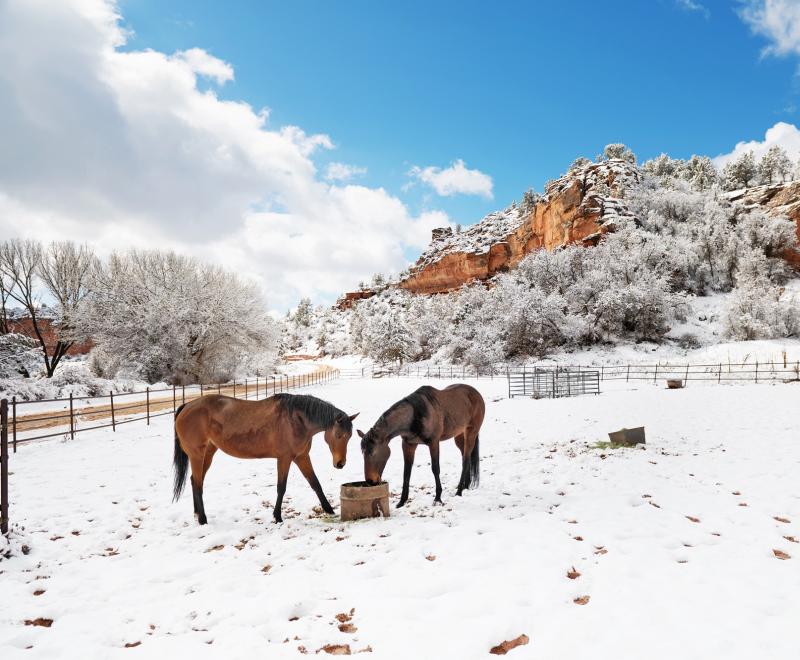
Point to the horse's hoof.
(329, 511)
(202, 520)
(400, 504)
(438, 501)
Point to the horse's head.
(337, 435)
(375, 448)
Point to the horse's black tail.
(180, 462)
(475, 464)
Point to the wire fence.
(752, 372)
(85, 413)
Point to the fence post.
(183, 393)
(14, 421)
(174, 400)
(147, 405)
(219, 388)
(4, 466)
(719, 378)
(686, 378)
(71, 419)
(628, 375)
(234, 388)
(113, 418)
(756, 371)
(655, 374)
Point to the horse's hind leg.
(434, 447)
(197, 463)
(304, 463)
(464, 446)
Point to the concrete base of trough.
(360, 500)
(628, 437)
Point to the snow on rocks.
(117, 567)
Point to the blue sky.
(139, 123)
(515, 89)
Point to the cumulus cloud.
(122, 148)
(454, 180)
(776, 20)
(781, 134)
(343, 172)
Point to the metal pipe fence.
(752, 372)
(86, 413)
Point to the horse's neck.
(398, 421)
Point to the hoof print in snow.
(693, 519)
(131, 645)
(336, 649)
(780, 519)
(573, 574)
(581, 600)
(41, 622)
(780, 554)
(509, 644)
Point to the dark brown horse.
(428, 416)
(281, 427)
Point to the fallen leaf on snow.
(791, 539)
(131, 645)
(216, 547)
(38, 592)
(573, 574)
(506, 646)
(693, 519)
(581, 600)
(336, 649)
(266, 569)
(44, 623)
(431, 557)
(347, 628)
(780, 554)
(780, 519)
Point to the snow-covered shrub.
(758, 310)
(20, 356)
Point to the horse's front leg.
(434, 447)
(408, 463)
(284, 463)
(304, 463)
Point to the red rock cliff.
(577, 208)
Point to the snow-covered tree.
(167, 317)
(700, 172)
(740, 173)
(19, 356)
(775, 166)
(59, 271)
(618, 150)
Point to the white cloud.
(201, 63)
(781, 134)
(121, 148)
(692, 5)
(454, 180)
(776, 20)
(343, 172)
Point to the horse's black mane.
(419, 400)
(316, 410)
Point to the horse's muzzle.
(339, 465)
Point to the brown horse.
(428, 416)
(281, 427)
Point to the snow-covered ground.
(674, 543)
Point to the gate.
(552, 383)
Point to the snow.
(129, 566)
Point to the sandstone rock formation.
(577, 208)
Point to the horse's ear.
(360, 433)
(352, 417)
